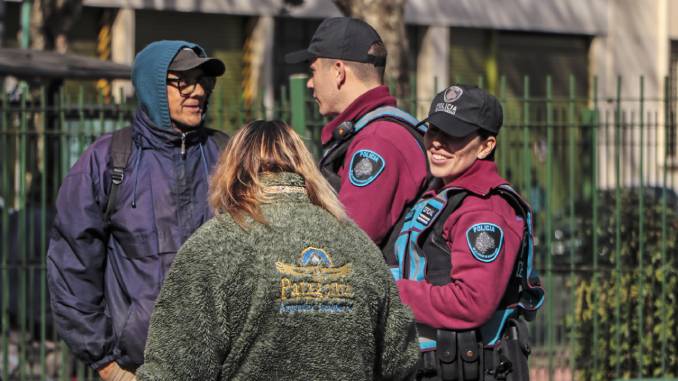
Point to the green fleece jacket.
(305, 298)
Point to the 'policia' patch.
(365, 167)
(485, 240)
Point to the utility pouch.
(514, 349)
(447, 354)
(427, 364)
(471, 354)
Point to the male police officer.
(373, 157)
(118, 226)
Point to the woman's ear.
(486, 147)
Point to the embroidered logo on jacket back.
(315, 284)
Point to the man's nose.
(199, 91)
(309, 83)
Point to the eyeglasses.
(186, 86)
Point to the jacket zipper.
(183, 145)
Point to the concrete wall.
(123, 49)
(636, 43)
(311, 8)
(630, 38)
(673, 26)
(571, 16)
(559, 16)
(435, 50)
(258, 62)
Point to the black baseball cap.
(188, 59)
(461, 110)
(341, 38)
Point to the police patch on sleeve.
(485, 241)
(365, 167)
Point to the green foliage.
(611, 341)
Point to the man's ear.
(339, 68)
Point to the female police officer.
(462, 259)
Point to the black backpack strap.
(388, 250)
(331, 162)
(452, 204)
(526, 289)
(522, 210)
(120, 151)
(437, 251)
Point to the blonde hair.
(258, 148)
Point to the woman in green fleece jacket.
(280, 284)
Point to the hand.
(113, 372)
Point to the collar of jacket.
(479, 179)
(282, 179)
(149, 135)
(371, 99)
(285, 179)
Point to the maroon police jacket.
(477, 286)
(376, 204)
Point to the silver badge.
(363, 168)
(485, 242)
(452, 94)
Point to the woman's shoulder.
(315, 220)
(477, 209)
(216, 225)
(491, 202)
(215, 233)
(355, 240)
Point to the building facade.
(490, 42)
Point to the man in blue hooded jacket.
(105, 274)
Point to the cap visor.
(213, 67)
(450, 125)
(299, 56)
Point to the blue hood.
(149, 76)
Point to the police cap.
(461, 110)
(341, 38)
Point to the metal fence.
(598, 169)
